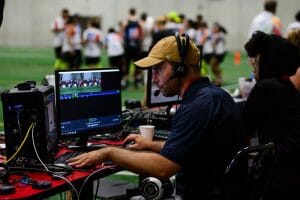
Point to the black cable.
(54, 174)
(89, 176)
(97, 188)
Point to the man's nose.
(154, 79)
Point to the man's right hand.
(140, 143)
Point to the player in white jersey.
(57, 28)
(294, 25)
(115, 50)
(92, 37)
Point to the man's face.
(161, 75)
(65, 15)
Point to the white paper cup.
(147, 131)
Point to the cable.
(35, 150)
(19, 125)
(89, 176)
(133, 116)
(21, 145)
(72, 187)
(97, 188)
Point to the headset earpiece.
(153, 188)
(183, 46)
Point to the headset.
(152, 188)
(179, 70)
(183, 45)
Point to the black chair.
(244, 176)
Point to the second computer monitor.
(88, 101)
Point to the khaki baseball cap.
(166, 50)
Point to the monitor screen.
(155, 99)
(88, 101)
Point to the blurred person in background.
(92, 38)
(147, 24)
(68, 48)
(190, 29)
(58, 28)
(114, 47)
(294, 25)
(133, 35)
(77, 42)
(173, 22)
(215, 50)
(202, 34)
(266, 21)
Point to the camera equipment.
(27, 109)
(132, 104)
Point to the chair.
(244, 176)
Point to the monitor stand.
(82, 145)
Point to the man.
(205, 134)
(133, 35)
(294, 25)
(266, 21)
(58, 28)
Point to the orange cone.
(237, 58)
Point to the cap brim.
(148, 62)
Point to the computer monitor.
(88, 102)
(155, 99)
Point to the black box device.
(28, 111)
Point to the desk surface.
(26, 191)
(77, 177)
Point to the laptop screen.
(88, 101)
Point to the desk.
(76, 178)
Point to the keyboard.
(68, 155)
(161, 134)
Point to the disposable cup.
(147, 131)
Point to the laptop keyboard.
(161, 134)
(68, 155)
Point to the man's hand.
(140, 143)
(88, 159)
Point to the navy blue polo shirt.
(206, 133)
